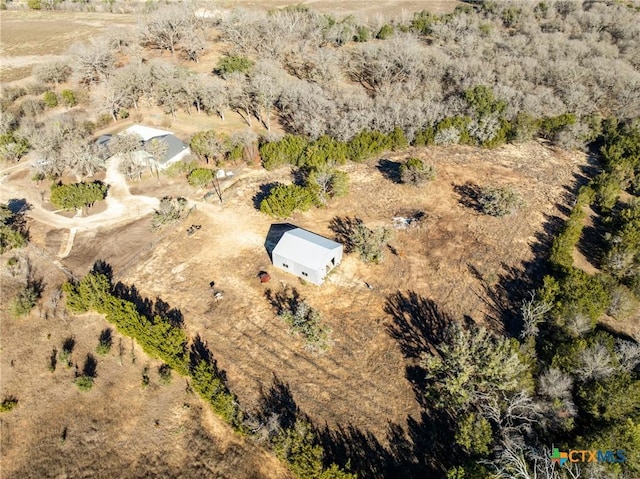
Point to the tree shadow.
(390, 170)
(106, 336)
(263, 192)
(592, 243)
(278, 401)
(147, 307)
(469, 194)
(343, 228)
(102, 267)
(285, 299)
(418, 323)
(275, 233)
(199, 351)
(90, 366)
(19, 206)
(68, 344)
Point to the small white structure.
(306, 254)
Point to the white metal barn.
(306, 254)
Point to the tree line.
(162, 338)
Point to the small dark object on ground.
(212, 284)
(193, 228)
(264, 277)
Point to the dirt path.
(122, 206)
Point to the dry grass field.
(459, 263)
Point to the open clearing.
(458, 261)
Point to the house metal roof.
(306, 248)
(145, 132)
(174, 144)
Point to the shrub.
(13, 146)
(84, 382)
(453, 130)
(287, 151)
(77, 195)
(104, 343)
(50, 99)
(326, 183)
(232, 64)
(26, 299)
(424, 137)
(325, 151)
(164, 371)
(8, 404)
(298, 446)
(306, 321)
(207, 382)
(200, 177)
(367, 144)
(415, 172)
(499, 201)
(11, 232)
(366, 242)
(363, 34)
(385, 32)
(169, 211)
(623, 303)
(68, 98)
(34, 4)
(283, 200)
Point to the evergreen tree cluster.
(77, 195)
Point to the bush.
(200, 177)
(298, 446)
(24, 302)
(68, 98)
(283, 200)
(287, 151)
(8, 404)
(84, 382)
(164, 371)
(326, 183)
(306, 321)
(207, 382)
(104, 343)
(34, 4)
(11, 231)
(169, 211)
(50, 99)
(366, 242)
(623, 303)
(499, 201)
(367, 144)
(363, 34)
(77, 195)
(13, 146)
(415, 172)
(232, 64)
(385, 32)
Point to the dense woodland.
(347, 89)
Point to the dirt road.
(121, 206)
